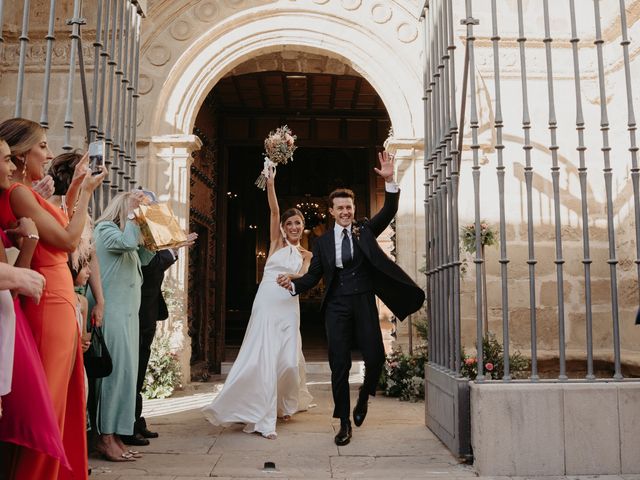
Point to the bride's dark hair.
(291, 212)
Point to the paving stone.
(251, 464)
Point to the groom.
(355, 271)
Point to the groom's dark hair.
(341, 193)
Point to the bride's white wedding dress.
(268, 378)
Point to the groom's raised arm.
(382, 219)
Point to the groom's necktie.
(346, 248)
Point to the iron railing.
(110, 114)
(547, 169)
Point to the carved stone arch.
(377, 57)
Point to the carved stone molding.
(36, 54)
(351, 4)
(159, 55)
(181, 30)
(206, 11)
(381, 13)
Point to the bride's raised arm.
(274, 221)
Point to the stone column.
(410, 228)
(166, 171)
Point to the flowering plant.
(468, 236)
(163, 373)
(403, 375)
(492, 356)
(278, 149)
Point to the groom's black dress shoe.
(141, 428)
(137, 440)
(344, 435)
(360, 410)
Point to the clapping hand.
(44, 187)
(386, 166)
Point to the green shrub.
(492, 357)
(403, 375)
(163, 373)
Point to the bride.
(268, 378)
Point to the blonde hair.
(21, 135)
(117, 210)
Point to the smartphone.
(96, 156)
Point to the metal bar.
(129, 106)
(448, 273)
(582, 173)
(44, 115)
(125, 97)
(439, 182)
(555, 178)
(427, 204)
(24, 40)
(117, 143)
(606, 149)
(134, 124)
(97, 46)
(455, 162)
(83, 83)
(528, 175)
(469, 21)
(75, 23)
(432, 194)
(1, 19)
(631, 127)
(107, 188)
(500, 172)
(104, 57)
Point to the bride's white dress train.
(268, 378)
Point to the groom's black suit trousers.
(350, 318)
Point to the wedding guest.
(53, 320)
(22, 378)
(66, 174)
(153, 308)
(118, 247)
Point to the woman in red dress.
(53, 320)
(29, 390)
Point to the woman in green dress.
(118, 247)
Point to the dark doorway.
(340, 122)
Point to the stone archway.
(387, 57)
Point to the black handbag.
(97, 360)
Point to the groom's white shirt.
(391, 187)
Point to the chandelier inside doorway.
(312, 212)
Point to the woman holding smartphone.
(53, 320)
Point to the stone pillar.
(166, 170)
(410, 228)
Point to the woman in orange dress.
(53, 320)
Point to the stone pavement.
(393, 443)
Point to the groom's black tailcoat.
(349, 300)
